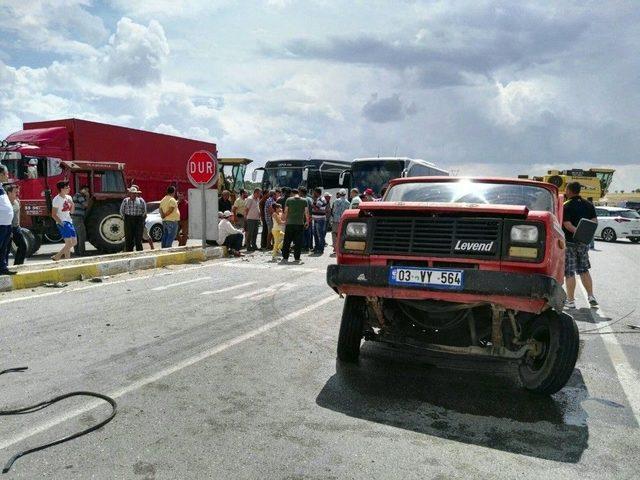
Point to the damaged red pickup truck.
(459, 266)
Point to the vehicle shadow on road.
(464, 406)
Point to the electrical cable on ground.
(48, 403)
(608, 324)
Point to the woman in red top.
(183, 208)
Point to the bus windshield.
(375, 174)
(464, 191)
(282, 177)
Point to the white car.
(616, 222)
(153, 224)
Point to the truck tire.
(548, 372)
(609, 235)
(32, 241)
(351, 328)
(105, 228)
(52, 236)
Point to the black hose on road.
(48, 403)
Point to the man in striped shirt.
(134, 211)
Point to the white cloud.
(136, 53)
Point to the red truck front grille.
(437, 236)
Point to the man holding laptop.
(577, 253)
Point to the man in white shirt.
(6, 217)
(229, 236)
(252, 206)
(61, 212)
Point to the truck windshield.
(13, 162)
(282, 177)
(375, 174)
(464, 191)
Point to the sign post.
(202, 170)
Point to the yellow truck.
(595, 181)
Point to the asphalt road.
(227, 370)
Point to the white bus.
(375, 173)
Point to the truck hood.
(518, 211)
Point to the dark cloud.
(389, 109)
(443, 50)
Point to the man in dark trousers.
(134, 211)
(577, 254)
(6, 217)
(296, 216)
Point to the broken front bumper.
(513, 290)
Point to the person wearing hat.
(81, 203)
(355, 198)
(134, 211)
(230, 236)
(340, 205)
(367, 196)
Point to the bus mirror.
(405, 173)
(305, 174)
(254, 175)
(341, 178)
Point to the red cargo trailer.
(153, 161)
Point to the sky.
(477, 87)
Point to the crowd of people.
(293, 220)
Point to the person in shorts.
(62, 209)
(577, 254)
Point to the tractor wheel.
(351, 328)
(555, 180)
(549, 370)
(105, 228)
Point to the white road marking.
(171, 285)
(166, 372)
(103, 284)
(269, 289)
(227, 289)
(272, 292)
(263, 266)
(626, 374)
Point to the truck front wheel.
(549, 370)
(351, 328)
(105, 228)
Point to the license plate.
(427, 277)
(635, 231)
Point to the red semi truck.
(153, 161)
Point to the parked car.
(616, 222)
(153, 224)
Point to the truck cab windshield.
(534, 198)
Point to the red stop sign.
(202, 168)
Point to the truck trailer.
(34, 156)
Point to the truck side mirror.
(405, 173)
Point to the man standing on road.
(296, 216)
(355, 198)
(339, 207)
(307, 238)
(134, 210)
(224, 202)
(6, 217)
(577, 254)
(183, 207)
(239, 209)
(268, 216)
(16, 232)
(61, 213)
(170, 217)
(319, 215)
(81, 203)
(264, 234)
(252, 206)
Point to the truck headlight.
(524, 234)
(356, 230)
